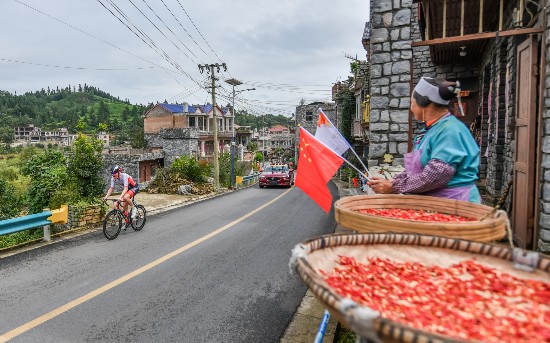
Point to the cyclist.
(131, 188)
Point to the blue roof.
(176, 108)
(173, 108)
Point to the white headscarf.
(430, 91)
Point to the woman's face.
(415, 109)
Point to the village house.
(498, 51)
(168, 126)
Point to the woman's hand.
(380, 185)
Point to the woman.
(445, 157)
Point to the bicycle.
(112, 224)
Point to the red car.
(277, 175)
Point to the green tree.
(6, 134)
(80, 125)
(252, 146)
(348, 111)
(48, 174)
(86, 166)
(102, 127)
(138, 138)
(10, 202)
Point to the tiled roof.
(178, 108)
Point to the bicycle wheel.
(139, 221)
(112, 225)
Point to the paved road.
(215, 271)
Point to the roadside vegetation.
(195, 176)
(33, 178)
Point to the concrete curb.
(305, 323)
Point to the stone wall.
(391, 53)
(329, 109)
(544, 201)
(129, 163)
(85, 217)
(175, 143)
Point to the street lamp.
(234, 83)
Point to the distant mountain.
(65, 107)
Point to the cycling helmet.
(116, 169)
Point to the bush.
(86, 166)
(48, 174)
(189, 168)
(225, 169)
(10, 202)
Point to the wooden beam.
(521, 12)
(500, 14)
(462, 18)
(478, 36)
(427, 15)
(480, 16)
(444, 18)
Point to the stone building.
(492, 47)
(140, 164)
(188, 122)
(307, 115)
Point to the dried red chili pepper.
(466, 300)
(418, 215)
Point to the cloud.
(288, 49)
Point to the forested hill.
(65, 107)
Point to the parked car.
(277, 175)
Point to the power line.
(191, 20)
(176, 18)
(159, 30)
(145, 2)
(67, 67)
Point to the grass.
(344, 335)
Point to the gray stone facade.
(391, 53)
(544, 220)
(493, 76)
(129, 163)
(175, 143)
(307, 115)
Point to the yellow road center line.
(64, 308)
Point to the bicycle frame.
(136, 223)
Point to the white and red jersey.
(125, 179)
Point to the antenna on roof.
(348, 56)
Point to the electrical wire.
(68, 67)
(145, 2)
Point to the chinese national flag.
(316, 166)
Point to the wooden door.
(525, 134)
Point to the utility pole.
(203, 67)
(234, 83)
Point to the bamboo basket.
(322, 253)
(489, 229)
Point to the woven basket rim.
(384, 325)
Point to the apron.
(413, 166)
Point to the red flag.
(316, 165)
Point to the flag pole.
(349, 145)
(335, 153)
(357, 169)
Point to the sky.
(148, 51)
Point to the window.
(192, 122)
(309, 116)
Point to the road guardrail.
(246, 180)
(31, 221)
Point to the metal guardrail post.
(47, 236)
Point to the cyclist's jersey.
(125, 179)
